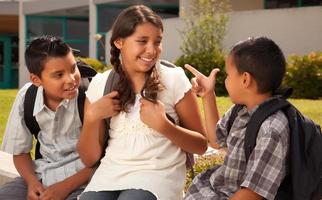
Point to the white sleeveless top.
(138, 157)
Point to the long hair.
(124, 26)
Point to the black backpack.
(304, 180)
(111, 82)
(86, 72)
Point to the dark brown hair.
(124, 26)
(42, 48)
(263, 59)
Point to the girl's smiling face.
(141, 50)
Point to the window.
(290, 3)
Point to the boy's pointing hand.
(202, 85)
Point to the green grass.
(6, 100)
(310, 108)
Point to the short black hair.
(42, 48)
(263, 59)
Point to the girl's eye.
(158, 43)
(141, 41)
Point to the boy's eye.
(58, 75)
(73, 69)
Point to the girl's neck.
(137, 81)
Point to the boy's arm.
(204, 87)
(211, 118)
(25, 167)
(245, 194)
(62, 189)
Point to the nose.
(71, 78)
(150, 49)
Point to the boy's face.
(60, 79)
(233, 81)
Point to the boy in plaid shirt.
(255, 69)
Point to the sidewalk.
(7, 168)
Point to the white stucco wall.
(295, 30)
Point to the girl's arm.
(190, 138)
(62, 189)
(92, 137)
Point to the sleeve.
(17, 137)
(266, 166)
(96, 87)
(221, 129)
(181, 84)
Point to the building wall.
(9, 24)
(296, 30)
(238, 5)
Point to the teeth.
(70, 89)
(147, 59)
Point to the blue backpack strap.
(30, 120)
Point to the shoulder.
(167, 68)
(97, 85)
(22, 92)
(172, 75)
(276, 126)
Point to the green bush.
(96, 64)
(304, 75)
(205, 62)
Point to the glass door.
(5, 62)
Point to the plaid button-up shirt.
(265, 168)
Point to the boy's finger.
(191, 69)
(214, 72)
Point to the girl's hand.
(35, 189)
(106, 106)
(153, 114)
(202, 85)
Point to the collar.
(266, 100)
(40, 102)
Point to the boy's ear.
(247, 79)
(118, 43)
(35, 79)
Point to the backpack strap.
(167, 64)
(233, 116)
(30, 120)
(87, 72)
(112, 79)
(81, 97)
(256, 120)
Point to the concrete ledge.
(7, 168)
